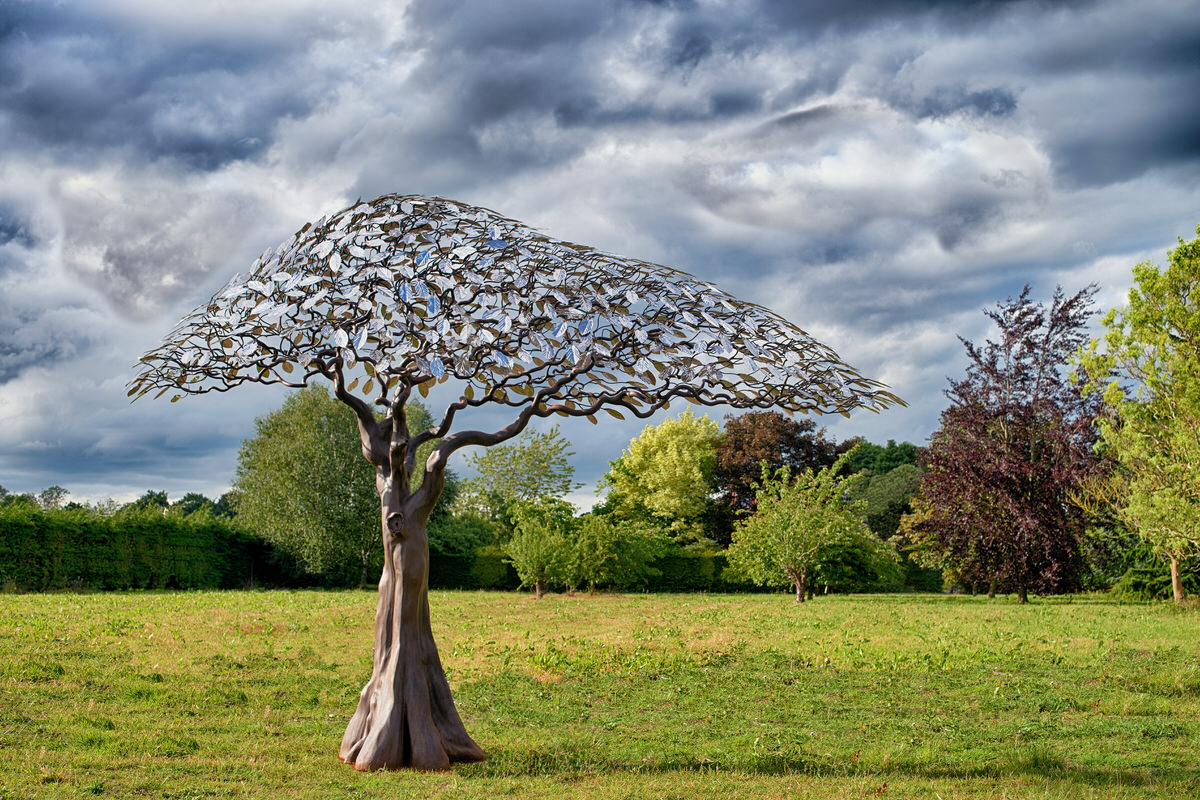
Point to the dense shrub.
(133, 549)
(484, 568)
(1152, 583)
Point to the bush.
(859, 563)
(483, 568)
(1152, 583)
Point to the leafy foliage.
(886, 498)
(1013, 446)
(191, 503)
(606, 552)
(152, 499)
(134, 548)
(540, 547)
(664, 477)
(797, 517)
(536, 464)
(875, 460)
(462, 533)
(765, 436)
(858, 562)
(8, 498)
(1147, 369)
(303, 484)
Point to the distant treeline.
(151, 548)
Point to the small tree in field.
(608, 552)
(796, 518)
(541, 545)
(402, 293)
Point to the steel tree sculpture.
(403, 292)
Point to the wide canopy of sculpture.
(418, 289)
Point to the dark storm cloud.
(15, 231)
(851, 15)
(32, 336)
(1119, 141)
(878, 171)
(81, 86)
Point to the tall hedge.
(143, 549)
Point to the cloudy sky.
(877, 172)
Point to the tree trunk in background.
(1176, 580)
(405, 715)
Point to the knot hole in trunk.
(395, 524)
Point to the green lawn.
(246, 694)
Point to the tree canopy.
(540, 547)
(1014, 444)
(665, 475)
(765, 436)
(1147, 369)
(536, 464)
(303, 485)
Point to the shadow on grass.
(566, 762)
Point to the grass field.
(246, 694)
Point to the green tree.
(797, 518)
(665, 477)
(608, 553)
(8, 498)
(190, 503)
(225, 505)
(303, 485)
(152, 499)
(1147, 368)
(536, 464)
(887, 497)
(875, 460)
(540, 548)
(52, 497)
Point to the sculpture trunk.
(405, 715)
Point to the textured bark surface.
(1176, 581)
(406, 716)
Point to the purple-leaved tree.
(404, 292)
(1015, 445)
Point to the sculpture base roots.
(406, 719)
(406, 716)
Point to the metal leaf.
(549, 304)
